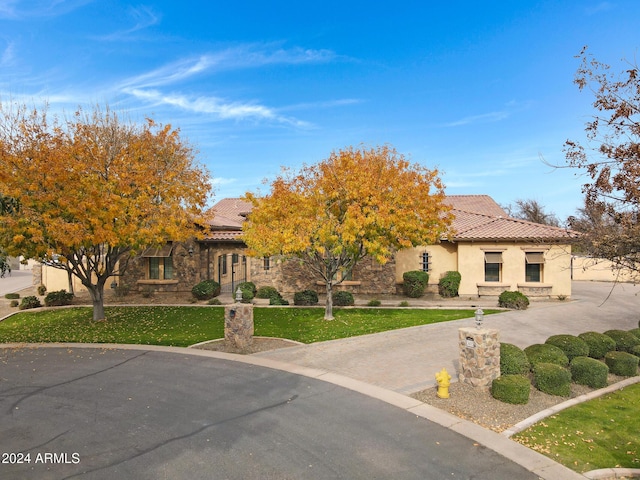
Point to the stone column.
(238, 325)
(479, 356)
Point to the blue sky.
(481, 90)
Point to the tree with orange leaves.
(93, 190)
(357, 203)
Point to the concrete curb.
(527, 422)
(533, 461)
(610, 473)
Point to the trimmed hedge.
(305, 297)
(343, 299)
(206, 289)
(449, 284)
(545, 353)
(625, 341)
(589, 371)
(513, 360)
(58, 299)
(634, 351)
(552, 379)
(571, 345)
(599, 344)
(12, 296)
(29, 302)
(414, 283)
(635, 331)
(248, 290)
(514, 300)
(622, 363)
(267, 292)
(511, 389)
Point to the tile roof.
(476, 218)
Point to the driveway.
(406, 360)
(150, 414)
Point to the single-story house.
(492, 252)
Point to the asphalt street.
(140, 414)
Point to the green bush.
(511, 389)
(599, 344)
(552, 379)
(41, 290)
(29, 302)
(589, 371)
(414, 282)
(12, 296)
(248, 290)
(514, 300)
(624, 340)
(58, 299)
(449, 284)
(545, 353)
(14, 303)
(214, 301)
(622, 363)
(278, 300)
(635, 331)
(267, 292)
(634, 351)
(343, 299)
(374, 303)
(571, 346)
(305, 297)
(206, 289)
(513, 360)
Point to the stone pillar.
(238, 325)
(479, 356)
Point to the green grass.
(183, 326)
(600, 433)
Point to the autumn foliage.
(93, 189)
(356, 203)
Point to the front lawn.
(183, 326)
(600, 433)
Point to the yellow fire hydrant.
(444, 380)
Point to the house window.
(159, 262)
(492, 266)
(266, 263)
(234, 258)
(160, 268)
(223, 264)
(425, 262)
(534, 262)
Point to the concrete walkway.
(406, 360)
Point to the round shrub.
(545, 353)
(572, 346)
(29, 302)
(511, 389)
(634, 350)
(624, 340)
(248, 290)
(599, 344)
(552, 379)
(374, 303)
(41, 290)
(449, 284)
(513, 360)
(14, 303)
(206, 289)
(343, 299)
(414, 283)
(514, 300)
(267, 292)
(589, 371)
(622, 363)
(58, 299)
(635, 331)
(305, 297)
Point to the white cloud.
(8, 54)
(144, 17)
(482, 118)
(598, 8)
(22, 9)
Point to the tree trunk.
(97, 298)
(328, 309)
(70, 281)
